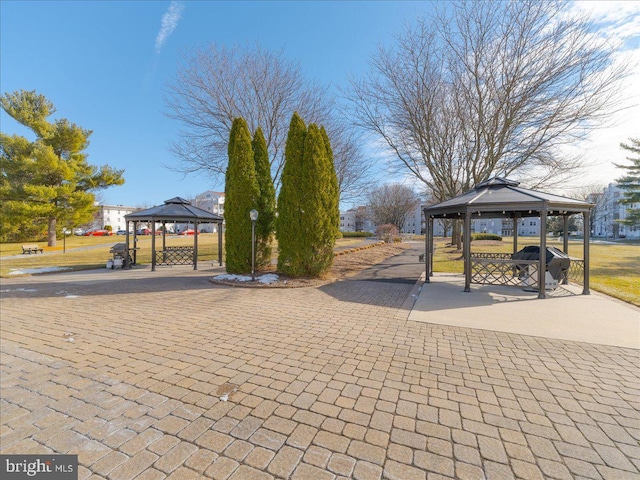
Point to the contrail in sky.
(169, 23)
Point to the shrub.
(266, 204)
(108, 227)
(241, 195)
(289, 223)
(386, 232)
(357, 234)
(308, 203)
(485, 236)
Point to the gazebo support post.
(427, 252)
(542, 262)
(220, 244)
(431, 246)
(587, 230)
(466, 249)
(126, 247)
(135, 242)
(153, 245)
(195, 245)
(565, 242)
(164, 236)
(516, 219)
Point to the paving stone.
(309, 472)
(134, 466)
(341, 464)
(200, 460)
(410, 439)
(367, 452)
(285, 461)
(221, 468)
(175, 457)
(267, 439)
(434, 463)
(331, 441)
(238, 450)
(259, 458)
(317, 456)
(367, 471)
(302, 436)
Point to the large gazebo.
(174, 210)
(503, 198)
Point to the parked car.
(98, 233)
(78, 231)
(121, 232)
(188, 231)
(143, 231)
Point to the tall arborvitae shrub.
(241, 196)
(289, 222)
(320, 232)
(333, 196)
(266, 205)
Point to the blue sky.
(98, 63)
(104, 67)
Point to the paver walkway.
(169, 376)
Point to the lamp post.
(64, 239)
(253, 214)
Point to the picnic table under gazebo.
(174, 210)
(503, 198)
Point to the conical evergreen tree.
(266, 205)
(333, 197)
(289, 223)
(241, 196)
(317, 253)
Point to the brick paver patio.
(173, 377)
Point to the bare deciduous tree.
(486, 88)
(391, 203)
(216, 84)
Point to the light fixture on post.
(253, 215)
(65, 232)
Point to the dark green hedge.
(485, 236)
(356, 234)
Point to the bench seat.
(31, 249)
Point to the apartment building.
(112, 215)
(608, 213)
(213, 202)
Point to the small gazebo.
(503, 198)
(174, 210)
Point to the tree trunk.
(456, 235)
(51, 237)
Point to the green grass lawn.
(615, 268)
(93, 252)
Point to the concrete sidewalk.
(565, 315)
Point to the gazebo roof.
(503, 196)
(176, 209)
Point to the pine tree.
(289, 223)
(241, 196)
(46, 184)
(630, 183)
(266, 205)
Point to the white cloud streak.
(169, 23)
